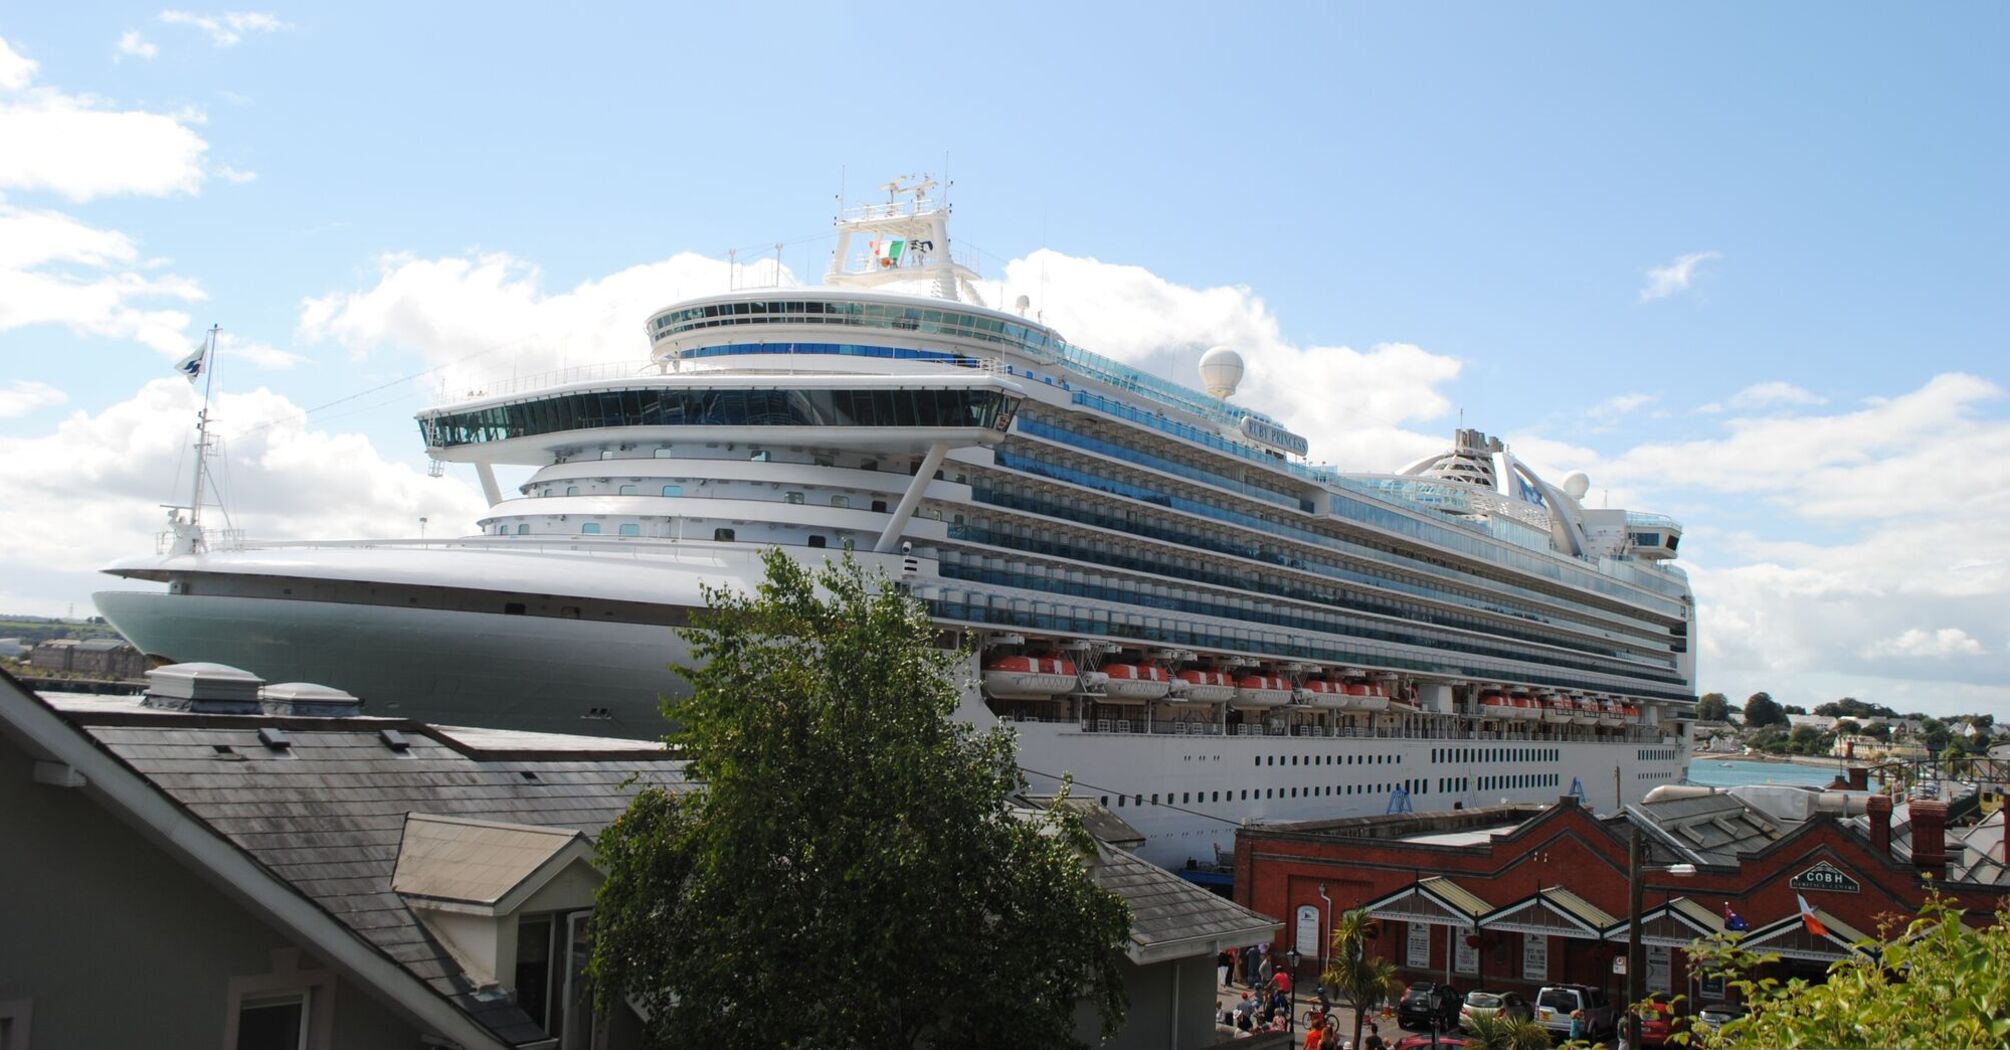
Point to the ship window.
(631, 529)
(723, 535)
(591, 528)
(879, 506)
(673, 490)
(572, 490)
(664, 452)
(523, 530)
(1120, 801)
(816, 541)
(568, 612)
(761, 456)
(1155, 798)
(840, 501)
(870, 464)
(513, 609)
(625, 490)
(792, 497)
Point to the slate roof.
(1708, 829)
(325, 814)
(1167, 910)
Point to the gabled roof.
(1789, 938)
(1172, 918)
(309, 834)
(1437, 901)
(480, 863)
(1555, 912)
(1672, 925)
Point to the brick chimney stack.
(1879, 808)
(1929, 836)
(1859, 778)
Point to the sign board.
(1420, 945)
(1711, 987)
(1660, 972)
(1534, 958)
(1466, 958)
(1308, 931)
(1619, 965)
(1824, 876)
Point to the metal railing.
(542, 380)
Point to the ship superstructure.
(1168, 601)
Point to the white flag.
(191, 366)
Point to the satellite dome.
(1220, 371)
(1576, 484)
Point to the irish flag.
(888, 252)
(1813, 924)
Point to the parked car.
(1596, 1015)
(1425, 1002)
(1423, 1042)
(1490, 1004)
(1716, 1015)
(1657, 1021)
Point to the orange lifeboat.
(1029, 677)
(1135, 683)
(1495, 704)
(1586, 713)
(1323, 693)
(1377, 698)
(1555, 709)
(1608, 714)
(1204, 687)
(1256, 690)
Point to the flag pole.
(202, 435)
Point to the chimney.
(204, 689)
(1859, 778)
(1929, 836)
(1879, 808)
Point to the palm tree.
(1357, 979)
(1501, 1032)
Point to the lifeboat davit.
(1555, 709)
(1323, 693)
(1205, 687)
(1135, 683)
(1495, 704)
(1586, 713)
(1256, 690)
(1029, 677)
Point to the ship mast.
(188, 538)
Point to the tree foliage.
(1713, 707)
(1354, 977)
(1762, 710)
(1502, 1032)
(1936, 982)
(846, 872)
(1854, 708)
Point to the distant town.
(1846, 729)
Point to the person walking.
(1221, 965)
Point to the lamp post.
(1636, 955)
(1325, 935)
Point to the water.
(1721, 772)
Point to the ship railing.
(541, 380)
(212, 539)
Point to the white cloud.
(57, 270)
(22, 396)
(1677, 276)
(1762, 395)
(17, 71)
(1351, 404)
(103, 475)
(83, 147)
(1946, 641)
(227, 29)
(133, 44)
(259, 355)
(1606, 414)
(234, 176)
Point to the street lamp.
(1636, 955)
(1325, 935)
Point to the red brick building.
(1511, 898)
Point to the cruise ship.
(1168, 602)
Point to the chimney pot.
(1859, 778)
(1929, 836)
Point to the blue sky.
(1407, 211)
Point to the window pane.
(271, 1023)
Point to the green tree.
(1354, 977)
(1762, 710)
(1713, 707)
(845, 872)
(1956, 762)
(1938, 982)
(1847, 727)
(1794, 709)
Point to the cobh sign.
(1824, 876)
